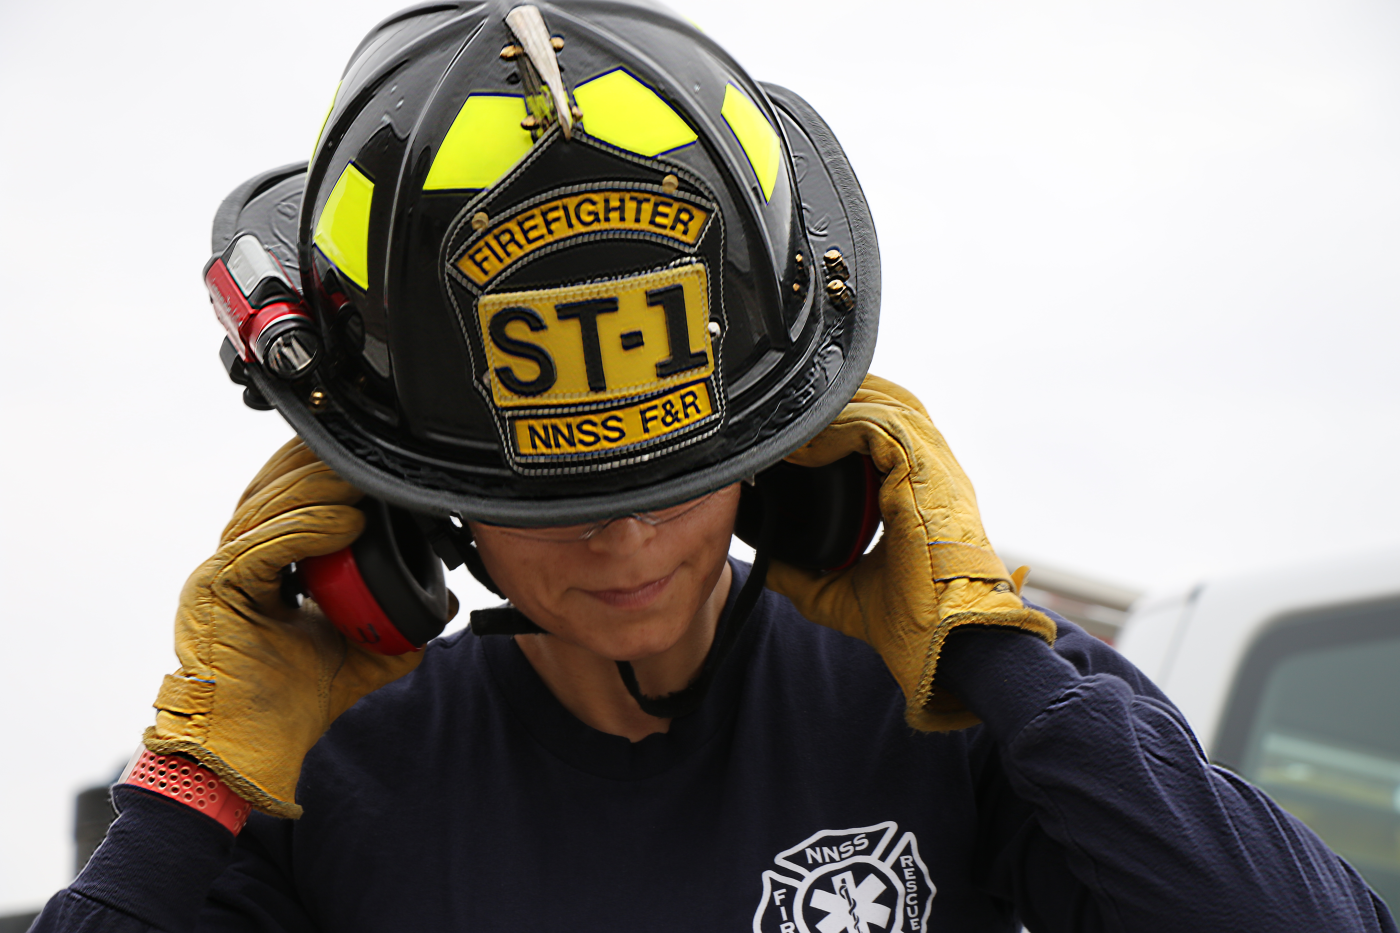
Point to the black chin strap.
(503, 620)
(688, 700)
(472, 558)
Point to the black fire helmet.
(568, 261)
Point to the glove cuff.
(177, 778)
(240, 785)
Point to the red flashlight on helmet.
(262, 311)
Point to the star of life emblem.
(848, 881)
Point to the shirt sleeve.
(165, 867)
(1131, 828)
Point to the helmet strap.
(503, 620)
(472, 558)
(688, 700)
(453, 543)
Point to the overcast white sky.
(1140, 262)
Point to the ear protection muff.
(825, 517)
(386, 591)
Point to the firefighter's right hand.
(260, 681)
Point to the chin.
(617, 637)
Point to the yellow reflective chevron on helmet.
(326, 119)
(342, 230)
(619, 109)
(756, 135)
(485, 140)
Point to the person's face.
(628, 592)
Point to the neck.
(590, 687)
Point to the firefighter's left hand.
(933, 569)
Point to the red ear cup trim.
(334, 581)
(870, 518)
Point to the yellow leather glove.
(932, 569)
(259, 682)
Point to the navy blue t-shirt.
(465, 797)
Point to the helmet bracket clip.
(540, 77)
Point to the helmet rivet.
(842, 296)
(480, 220)
(557, 42)
(511, 52)
(713, 328)
(670, 184)
(318, 400)
(799, 259)
(836, 265)
(797, 288)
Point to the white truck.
(1291, 678)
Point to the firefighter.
(564, 295)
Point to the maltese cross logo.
(868, 879)
(853, 908)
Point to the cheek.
(712, 548)
(524, 570)
(716, 528)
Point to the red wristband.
(179, 778)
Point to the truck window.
(1314, 719)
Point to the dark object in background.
(93, 815)
(17, 923)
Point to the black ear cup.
(402, 572)
(825, 517)
(387, 590)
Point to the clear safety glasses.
(564, 534)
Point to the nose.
(622, 537)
